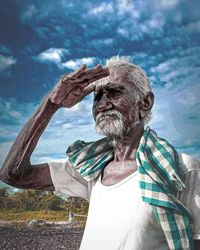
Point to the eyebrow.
(108, 86)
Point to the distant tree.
(34, 200)
(51, 202)
(4, 197)
(77, 205)
(20, 200)
(4, 192)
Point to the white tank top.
(118, 219)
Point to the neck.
(125, 148)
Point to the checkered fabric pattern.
(160, 177)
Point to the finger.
(77, 72)
(93, 70)
(97, 77)
(83, 84)
(103, 73)
(89, 89)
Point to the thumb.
(89, 89)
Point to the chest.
(115, 172)
(119, 219)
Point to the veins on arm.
(17, 170)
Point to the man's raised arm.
(17, 169)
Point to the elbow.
(8, 178)
(11, 173)
(5, 177)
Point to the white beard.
(111, 123)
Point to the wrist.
(53, 106)
(46, 109)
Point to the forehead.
(116, 78)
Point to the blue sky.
(41, 40)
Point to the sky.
(44, 39)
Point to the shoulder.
(189, 163)
(63, 170)
(67, 181)
(190, 196)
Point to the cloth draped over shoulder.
(160, 177)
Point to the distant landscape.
(32, 219)
(30, 205)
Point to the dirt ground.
(24, 237)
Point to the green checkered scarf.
(160, 177)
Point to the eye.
(112, 93)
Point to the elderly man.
(142, 194)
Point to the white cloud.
(127, 6)
(181, 68)
(168, 3)
(107, 41)
(73, 64)
(28, 13)
(193, 27)
(67, 4)
(6, 62)
(54, 55)
(15, 110)
(133, 28)
(103, 8)
(123, 32)
(5, 49)
(188, 96)
(155, 22)
(131, 32)
(176, 113)
(163, 67)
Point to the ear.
(146, 105)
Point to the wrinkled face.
(115, 109)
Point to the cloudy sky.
(43, 39)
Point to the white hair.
(114, 128)
(135, 74)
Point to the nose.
(104, 104)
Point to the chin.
(110, 129)
(115, 128)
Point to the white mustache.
(102, 115)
